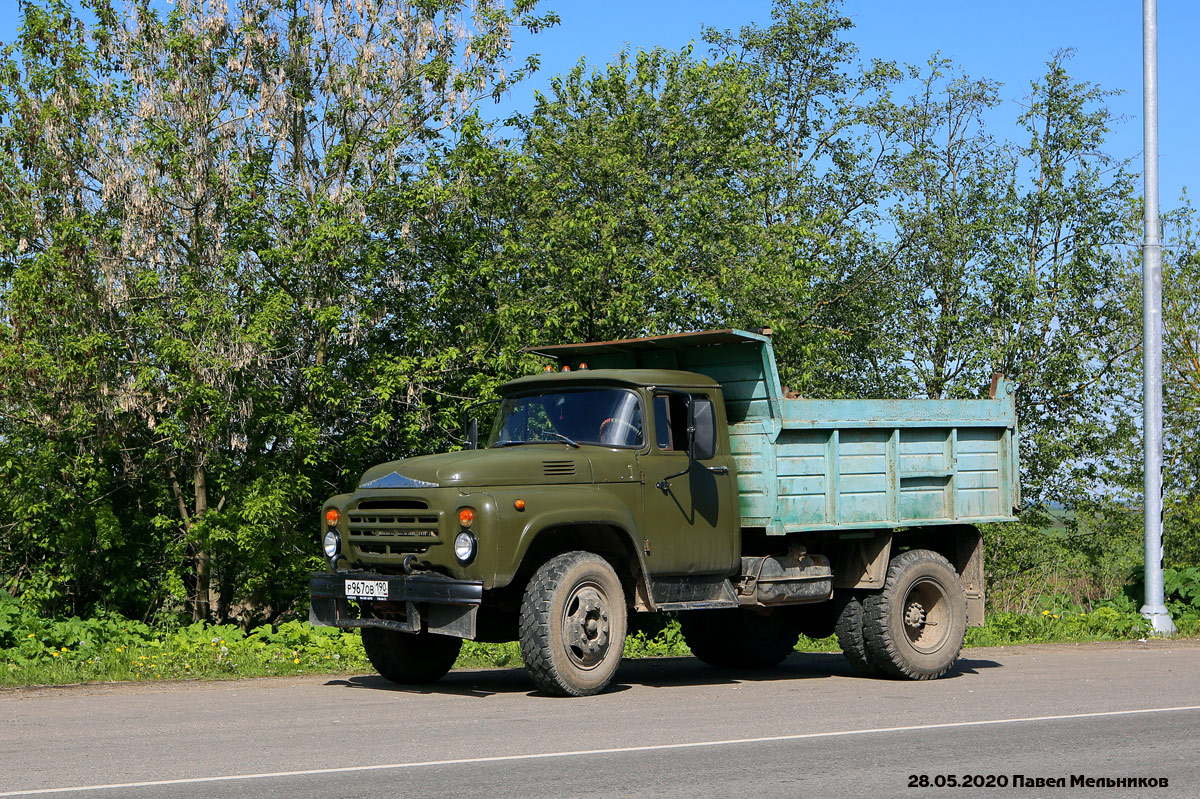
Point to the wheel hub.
(586, 627)
(915, 615)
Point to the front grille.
(393, 527)
(558, 468)
(382, 523)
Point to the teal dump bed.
(807, 465)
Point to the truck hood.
(529, 464)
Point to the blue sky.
(1008, 41)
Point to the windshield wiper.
(567, 440)
(510, 443)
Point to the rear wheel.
(817, 620)
(849, 630)
(410, 658)
(573, 625)
(915, 627)
(738, 638)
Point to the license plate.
(366, 589)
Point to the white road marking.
(466, 761)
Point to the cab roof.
(632, 378)
(632, 347)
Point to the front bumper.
(415, 602)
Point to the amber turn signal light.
(466, 516)
(332, 516)
(519, 504)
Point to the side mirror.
(471, 428)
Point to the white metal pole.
(1155, 609)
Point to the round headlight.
(464, 547)
(333, 543)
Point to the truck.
(675, 474)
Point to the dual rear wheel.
(740, 638)
(914, 628)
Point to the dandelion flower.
(55, 654)
(31, 635)
(64, 649)
(1045, 613)
(297, 660)
(1056, 615)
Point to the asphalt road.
(668, 728)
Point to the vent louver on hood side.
(558, 468)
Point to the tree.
(637, 206)
(818, 275)
(212, 217)
(1181, 386)
(1010, 262)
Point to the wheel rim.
(925, 614)
(586, 626)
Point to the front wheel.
(410, 658)
(573, 625)
(914, 628)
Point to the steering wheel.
(604, 426)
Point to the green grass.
(78, 650)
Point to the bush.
(35, 650)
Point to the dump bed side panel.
(822, 474)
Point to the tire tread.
(537, 647)
(849, 631)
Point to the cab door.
(690, 516)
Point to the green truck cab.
(674, 474)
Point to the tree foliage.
(1181, 386)
(191, 257)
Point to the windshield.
(611, 417)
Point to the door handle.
(719, 469)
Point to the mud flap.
(969, 563)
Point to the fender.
(572, 506)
